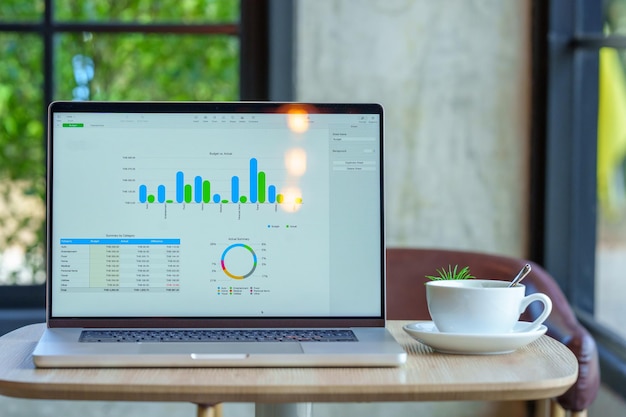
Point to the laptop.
(199, 234)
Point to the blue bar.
(217, 198)
(271, 194)
(180, 187)
(254, 185)
(120, 241)
(234, 186)
(197, 189)
(161, 193)
(143, 193)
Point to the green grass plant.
(447, 274)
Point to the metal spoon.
(520, 276)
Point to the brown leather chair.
(406, 300)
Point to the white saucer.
(472, 344)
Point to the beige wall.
(454, 78)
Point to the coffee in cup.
(479, 306)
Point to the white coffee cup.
(479, 306)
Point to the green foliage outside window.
(94, 66)
(147, 11)
(146, 67)
(22, 169)
(21, 10)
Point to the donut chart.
(238, 261)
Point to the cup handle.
(547, 309)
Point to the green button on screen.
(73, 124)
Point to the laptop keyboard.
(229, 335)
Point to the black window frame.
(264, 73)
(567, 37)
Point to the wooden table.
(541, 370)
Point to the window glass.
(91, 66)
(615, 17)
(22, 167)
(610, 282)
(147, 11)
(21, 10)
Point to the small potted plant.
(449, 274)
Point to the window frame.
(567, 37)
(22, 305)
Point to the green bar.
(224, 201)
(151, 198)
(169, 201)
(187, 193)
(261, 198)
(206, 191)
(280, 198)
(243, 199)
(73, 125)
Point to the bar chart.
(190, 189)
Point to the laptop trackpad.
(218, 348)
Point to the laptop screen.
(215, 210)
